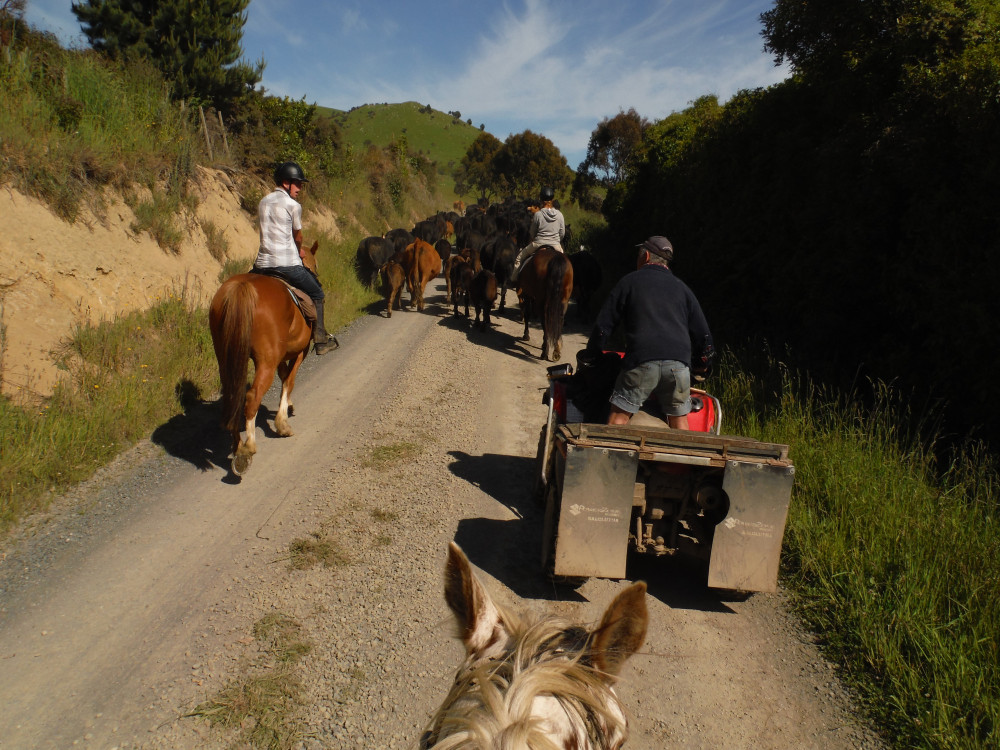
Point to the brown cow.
(424, 264)
(483, 292)
(393, 278)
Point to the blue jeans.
(298, 276)
(668, 379)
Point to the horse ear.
(315, 247)
(480, 625)
(622, 630)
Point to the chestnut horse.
(544, 286)
(253, 316)
(534, 684)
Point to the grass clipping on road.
(261, 705)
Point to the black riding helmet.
(287, 172)
(547, 193)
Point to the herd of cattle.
(477, 269)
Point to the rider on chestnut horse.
(280, 217)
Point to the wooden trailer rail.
(658, 444)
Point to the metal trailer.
(651, 490)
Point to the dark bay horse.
(253, 317)
(544, 287)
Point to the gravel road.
(133, 600)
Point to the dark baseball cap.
(658, 245)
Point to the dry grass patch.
(261, 705)
(317, 549)
(383, 456)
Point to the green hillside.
(438, 135)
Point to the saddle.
(303, 301)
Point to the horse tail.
(234, 359)
(554, 303)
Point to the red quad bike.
(646, 489)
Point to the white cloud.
(351, 21)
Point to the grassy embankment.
(894, 560)
(72, 126)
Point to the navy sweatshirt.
(662, 318)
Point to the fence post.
(204, 127)
(225, 140)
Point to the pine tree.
(195, 43)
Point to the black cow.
(443, 248)
(400, 238)
(498, 256)
(483, 293)
(373, 252)
(471, 240)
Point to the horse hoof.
(241, 463)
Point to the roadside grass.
(261, 705)
(124, 377)
(892, 558)
(346, 296)
(76, 120)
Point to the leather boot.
(323, 342)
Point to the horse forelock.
(537, 690)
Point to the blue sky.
(556, 67)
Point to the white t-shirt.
(279, 216)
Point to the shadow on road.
(681, 583)
(196, 437)
(509, 550)
(507, 479)
(495, 339)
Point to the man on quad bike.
(666, 337)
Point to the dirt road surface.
(134, 599)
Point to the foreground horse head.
(544, 286)
(534, 684)
(253, 317)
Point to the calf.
(461, 274)
(467, 256)
(443, 248)
(393, 278)
(483, 292)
